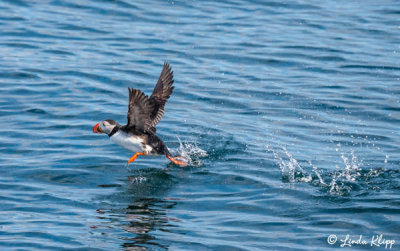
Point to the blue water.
(288, 111)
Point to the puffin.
(139, 134)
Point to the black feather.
(162, 91)
(144, 113)
(140, 108)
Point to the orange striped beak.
(97, 128)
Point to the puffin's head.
(105, 126)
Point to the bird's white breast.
(130, 142)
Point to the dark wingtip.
(167, 65)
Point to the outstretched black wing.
(161, 93)
(140, 109)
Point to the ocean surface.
(288, 112)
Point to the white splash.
(191, 152)
(339, 181)
(137, 179)
(289, 166)
(315, 169)
(350, 173)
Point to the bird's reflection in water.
(143, 216)
(148, 205)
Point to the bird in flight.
(139, 134)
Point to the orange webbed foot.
(176, 161)
(134, 157)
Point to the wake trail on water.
(347, 177)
